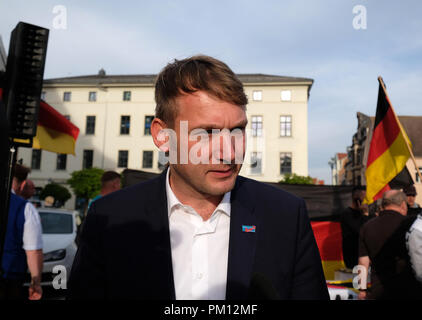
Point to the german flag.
(329, 240)
(55, 133)
(388, 153)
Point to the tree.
(57, 191)
(296, 179)
(86, 183)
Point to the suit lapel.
(242, 244)
(158, 214)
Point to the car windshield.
(56, 223)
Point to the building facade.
(114, 114)
(337, 165)
(357, 153)
(3, 56)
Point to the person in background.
(23, 244)
(414, 247)
(352, 219)
(49, 201)
(27, 189)
(110, 182)
(382, 246)
(412, 207)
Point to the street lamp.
(332, 163)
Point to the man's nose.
(225, 148)
(227, 154)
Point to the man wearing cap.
(412, 207)
(352, 219)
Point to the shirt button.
(199, 276)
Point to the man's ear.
(158, 134)
(404, 207)
(16, 185)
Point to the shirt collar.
(172, 201)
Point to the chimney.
(102, 72)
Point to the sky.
(321, 39)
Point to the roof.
(101, 78)
(413, 127)
(341, 155)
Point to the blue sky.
(314, 39)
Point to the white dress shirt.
(199, 249)
(414, 247)
(32, 229)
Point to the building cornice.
(148, 80)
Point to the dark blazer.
(125, 251)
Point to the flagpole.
(381, 81)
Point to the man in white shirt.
(32, 234)
(414, 247)
(198, 231)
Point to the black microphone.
(262, 289)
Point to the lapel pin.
(248, 228)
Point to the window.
(257, 95)
(92, 96)
(286, 95)
(126, 95)
(286, 126)
(123, 159)
(147, 128)
(147, 159)
(67, 96)
(256, 162)
(36, 159)
(417, 179)
(61, 161)
(256, 126)
(43, 95)
(87, 159)
(124, 124)
(285, 162)
(90, 125)
(162, 161)
(56, 223)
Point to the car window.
(56, 223)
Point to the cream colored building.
(112, 113)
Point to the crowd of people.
(386, 243)
(23, 245)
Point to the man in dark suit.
(198, 231)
